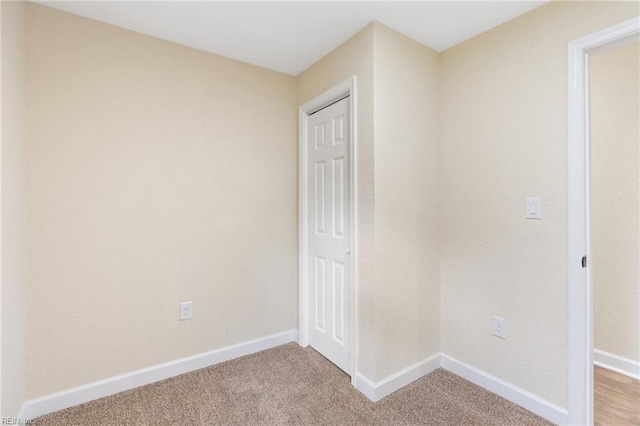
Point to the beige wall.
(147, 185)
(156, 174)
(615, 178)
(398, 312)
(407, 243)
(503, 138)
(12, 192)
(355, 57)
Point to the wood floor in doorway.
(617, 399)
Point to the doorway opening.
(614, 129)
(580, 259)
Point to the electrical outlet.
(185, 310)
(499, 327)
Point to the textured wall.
(12, 198)
(398, 256)
(615, 178)
(407, 243)
(503, 138)
(355, 57)
(156, 174)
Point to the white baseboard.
(519, 396)
(366, 387)
(375, 391)
(21, 413)
(616, 363)
(85, 393)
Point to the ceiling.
(290, 36)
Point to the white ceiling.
(290, 36)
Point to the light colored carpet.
(290, 385)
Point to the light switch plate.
(533, 208)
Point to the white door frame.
(346, 88)
(580, 278)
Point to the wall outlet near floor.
(499, 327)
(185, 310)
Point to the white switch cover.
(534, 208)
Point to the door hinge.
(584, 261)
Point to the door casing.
(346, 88)
(580, 278)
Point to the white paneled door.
(330, 296)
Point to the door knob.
(347, 251)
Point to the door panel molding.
(335, 94)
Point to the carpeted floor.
(290, 385)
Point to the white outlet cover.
(185, 310)
(499, 327)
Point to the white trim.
(366, 387)
(354, 222)
(22, 412)
(346, 88)
(619, 364)
(303, 226)
(579, 285)
(101, 388)
(508, 391)
(375, 391)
